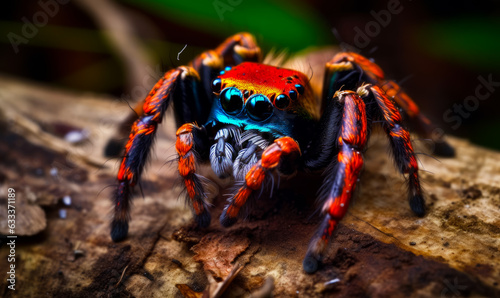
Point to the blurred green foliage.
(282, 24)
(461, 40)
(471, 41)
(60, 37)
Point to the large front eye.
(231, 100)
(259, 107)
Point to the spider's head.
(262, 97)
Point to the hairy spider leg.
(400, 141)
(282, 148)
(342, 72)
(234, 50)
(187, 136)
(191, 104)
(139, 145)
(344, 174)
(423, 126)
(371, 73)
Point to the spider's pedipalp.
(255, 177)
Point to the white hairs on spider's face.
(228, 132)
(222, 164)
(254, 137)
(228, 140)
(251, 143)
(243, 164)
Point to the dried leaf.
(218, 251)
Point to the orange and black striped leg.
(190, 139)
(346, 70)
(422, 124)
(188, 105)
(351, 142)
(136, 155)
(402, 148)
(139, 145)
(234, 50)
(115, 145)
(239, 48)
(284, 148)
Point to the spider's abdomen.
(266, 98)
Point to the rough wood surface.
(380, 249)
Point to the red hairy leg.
(282, 148)
(402, 148)
(234, 50)
(242, 44)
(347, 61)
(352, 142)
(187, 169)
(344, 62)
(139, 145)
(424, 127)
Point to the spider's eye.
(259, 107)
(231, 100)
(282, 101)
(299, 88)
(216, 85)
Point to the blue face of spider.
(269, 99)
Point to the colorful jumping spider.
(251, 120)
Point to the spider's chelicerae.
(251, 121)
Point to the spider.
(258, 121)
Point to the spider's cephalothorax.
(260, 120)
(254, 105)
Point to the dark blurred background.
(442, 52)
